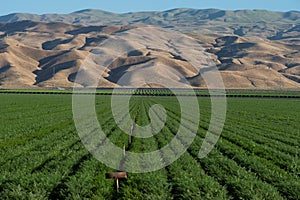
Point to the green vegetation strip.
(294, 94)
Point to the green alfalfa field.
(256, 157)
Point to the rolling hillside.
(251, 48)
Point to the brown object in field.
(116, 176)
(119, 175)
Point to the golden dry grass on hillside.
(37, 54)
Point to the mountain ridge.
(89, 16)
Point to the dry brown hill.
(40, 54)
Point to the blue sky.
(121, 6)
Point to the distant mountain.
(182, 18)
(251, 48)
(90, 16)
